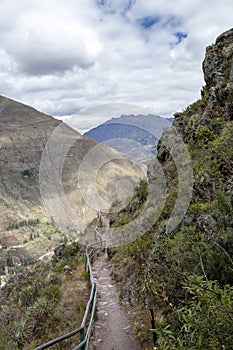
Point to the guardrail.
(102, 241)
(90, 307)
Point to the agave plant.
(21, 332)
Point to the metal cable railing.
(100, 238)
(90, 307)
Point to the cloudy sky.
(63, 57)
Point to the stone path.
(112, 329)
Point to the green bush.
(205, 319)
(52, 293)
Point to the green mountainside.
(181, 282)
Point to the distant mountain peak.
(134, 135)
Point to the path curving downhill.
(112, 329)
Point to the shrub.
(205, 319)
(52, 293)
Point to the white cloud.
(63, 57)
(50, 44)
(85, 118)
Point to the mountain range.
(46, 172)
(134, 135)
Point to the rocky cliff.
(218, 74)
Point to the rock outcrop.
(216, 96)
(218, 74)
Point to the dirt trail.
(112, 329)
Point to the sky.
(69, 57)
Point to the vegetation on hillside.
(184, 279)
(23, 242)
(44, 301)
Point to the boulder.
(58, 251)
(67, 269)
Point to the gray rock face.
(217, 94)
(218, 75)
(207, 224)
